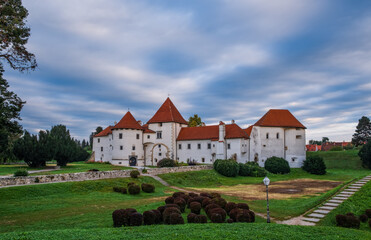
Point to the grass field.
(340, 159)
(356, 204)
(70, 168)
(197, 231)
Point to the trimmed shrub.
(348, 221)
(161, 209)
(166, 162)
(205, 195)
(243, 206)
(229, 206)
(168, 211)
(215, 195)
(363, 218)
(228, 168)
(131, 183)
(127, 215)
(368, 213)
(211, 206)
(230, 220)
(21, 173)
(314, 164)
(120, 190)
(181, 203)
(200, 219)
(176, 218)
(148, 188)
(277, 165)
(134, 174)
(169, 200)
(195, 207)
(149, 218)
(172, 205)
(244, 170)
(191, 217)
(234, 212)
(178, 194)
(118, 217)
(158, 216)
(365, 155)
(217, 215)
(219, 201)
(245, 216)
(252, 169)
(134, 189)
(193, 195)
(136, 219)
(206, 202)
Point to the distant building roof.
(279, 118)
(248, 130)
(167, 113)
(128, 122)
(211, 133)
(146, 129)
(105, 132)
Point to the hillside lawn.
(70, 168)
(261, 231)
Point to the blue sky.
(221, 59)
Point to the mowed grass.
(348, 159)
(70, 168)
(357, 204)
(87, 204)
(261, 231)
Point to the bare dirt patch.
(277, 190)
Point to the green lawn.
(70, 168)
(261, 231)
(348, 159)
(357, 204)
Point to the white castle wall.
(197, 154)
(129, 139)
(105, 143)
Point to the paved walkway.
(312, 217)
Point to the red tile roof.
(248, 130)
(105, 132)
(128, 122)
(279, 118)
(167, 113)
(313, 147)
(210, 133)
(146, 129)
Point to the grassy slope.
(357, 204)
(197, 231)
(70, 168)
(87, 204)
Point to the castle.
(167, 135)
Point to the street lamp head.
(266, 181)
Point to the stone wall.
(82, 176)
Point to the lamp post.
(266, 182)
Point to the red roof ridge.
(167, 113)
(105, 132)
(248, 130)
(279, 118)
(128, 122)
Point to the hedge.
(277, 165)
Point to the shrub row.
(251, 169)
(133, 188)
(349, 220)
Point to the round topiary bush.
(211, 206)
(134, 174)
(363, 218)
(205, 195)
(200, 219)
(277, 165)
(206, 202)
(243, 206)
(219, 201)
(244, 216)
(172, 205)
(149, 218)
(168, 211)
(195, 207)
(166, 162)
(176, 218)
(118, 217)
(161, 209)
(191, 217)
(228, 168)
(215, 195)
(134, 189)
(21, 173)
(217, 215)
(181, 203)
(230, 220)
(178, 194)
(158, 216)
(229, 206)
(127, 214)
(368, 213)
(348, 221)
(314, 164)
(193, 195)
(136, 219)
(148, 188)
(169, 200)
(131, 183)
(234, 212)
(120, 190)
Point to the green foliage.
(277, 165)
(365, 155)
(336, 148)
(194, 121)
(133, 189)
(314, 164)
(120, 190)
(363, 131)
(148, 188)
(166, 162)
(134, 174)
(251, 169)
(21, 173)
(228, 168)
(144, 170)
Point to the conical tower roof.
(167, 113)
(128, 122)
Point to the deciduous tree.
(194, 121)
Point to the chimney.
(232, 121)
(221, 131)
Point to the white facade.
(146, 145)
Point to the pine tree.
(363, 131)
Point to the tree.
(14, 36)
(64, 145)
(365, 155)
(315, 142)
(363, 131)
(98, 129)
(194, 121)
(325, 139)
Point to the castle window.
(160, 124)
(209, 146)
(155, 159)
(298, 136)
(180, 146)
(203, 159)
(189, 146)
(267, 136)
(148, 136)
(160, 154)
(133, 147)
(213, 145)
(121, 147)
(120, 135)
(229, 146)
(159, 135)
(98, 140)
(278, 135)
(101, 149)
(159, 146)
(199, 146)
(138, 136)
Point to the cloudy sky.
(221, 59)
